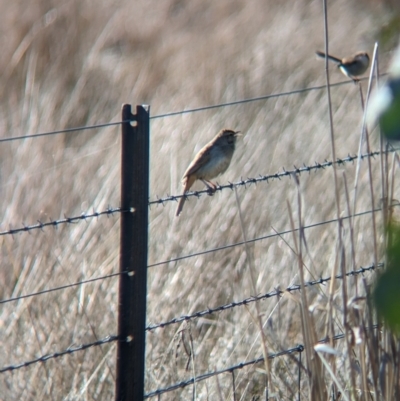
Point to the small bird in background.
(353, 66)
(212, 160)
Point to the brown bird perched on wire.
(212, 160)
(353, 66)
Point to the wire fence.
(199, 314)
(62, 287)
(181, 112)
(66, 220)
(204, 252)
(272, 294)
(39, 225)
(298, 349)
(231, 369)
(68, 351)
(275, 176)
(246, 183)
(264, 237)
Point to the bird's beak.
(238, 133)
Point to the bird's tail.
(332, 58)
(187, 181)
(180, 206)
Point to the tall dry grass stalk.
(68, 64)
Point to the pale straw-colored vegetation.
(74, 63)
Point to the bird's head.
(230, 135)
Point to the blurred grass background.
(73, 63)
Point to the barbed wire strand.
(66, 220)
(285, 173)
(110, 211)
(113, 338)
(69, 350)
(109, 339)
(196, 314)
(274, 293)
(178, 258)
(223, 247)
(175, 113)
(299, 348)
(63, 287)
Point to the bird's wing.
(349, 61)
(202, 158)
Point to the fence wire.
(270, 177)
(66, 220)
(112, 338)
(279, 234)
(63, 287)
(298, 349)
(275, 293)
(70, 350)
(181, 112)
(61, 131)
(255, 99)
(174, 198)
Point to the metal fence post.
(133, 254)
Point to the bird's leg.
(210, 186)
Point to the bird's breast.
(219, 161)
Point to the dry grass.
(74, 63)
